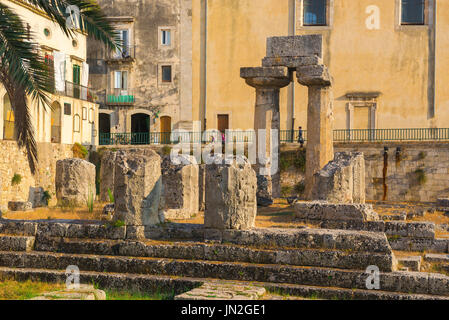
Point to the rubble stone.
(322, 211)
(341, 180)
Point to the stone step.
(401, 282)
(341, 259)
(413, 263)
(180, 285)
(437, 258)
(16, 243)
(223, 291)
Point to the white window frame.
(172, 31)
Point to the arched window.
(9, 131)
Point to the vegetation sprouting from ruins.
(16, 179)
(23, 71)
(79, 151)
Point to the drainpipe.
(432, 60)
(292, 32)
(204, 67)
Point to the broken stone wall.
(14, 161)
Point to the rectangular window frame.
(67, 109)
(162, 73)
(166, 41)
(300, 17)
(172, 31)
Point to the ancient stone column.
(75, 182)
(231, 201)
(267, 81)
(180, 181)
(138, 188)
(320, 144)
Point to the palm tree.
(23, 71)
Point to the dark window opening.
(166, 74)
(315, 12)
(413, 12)
(67, 109)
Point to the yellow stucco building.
(387, 58)
(73, 116)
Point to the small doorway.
(104, 125)
(140, 128)
(223, 122)
(165, 129)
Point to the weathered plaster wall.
(394, 60)
(145, 19)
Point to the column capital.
(314, 75)
(266, 77)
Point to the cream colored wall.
(393, 60)
(237, 32)
(41, 116)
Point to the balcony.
(120, 97)
(76, 91)
(124, 55)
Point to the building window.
(412, 12)
(121, 80)
(67, 109)
(315, 12)
(166, 37)
(47, 32)
(74, 43)
(9, 130)
(166, 74)
(76, 123)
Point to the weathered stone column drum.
(267, 81)
(231, 201)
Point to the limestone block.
(138, 187)
(266, 77)
(107, 174)
(231, 189)
(293, 46)
(20, 206)
(75, 181)
(291, 62)
(341, 180)
(322, 211)
(181, 192)
(313, 75)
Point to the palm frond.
(92, 20)
(24, 73)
